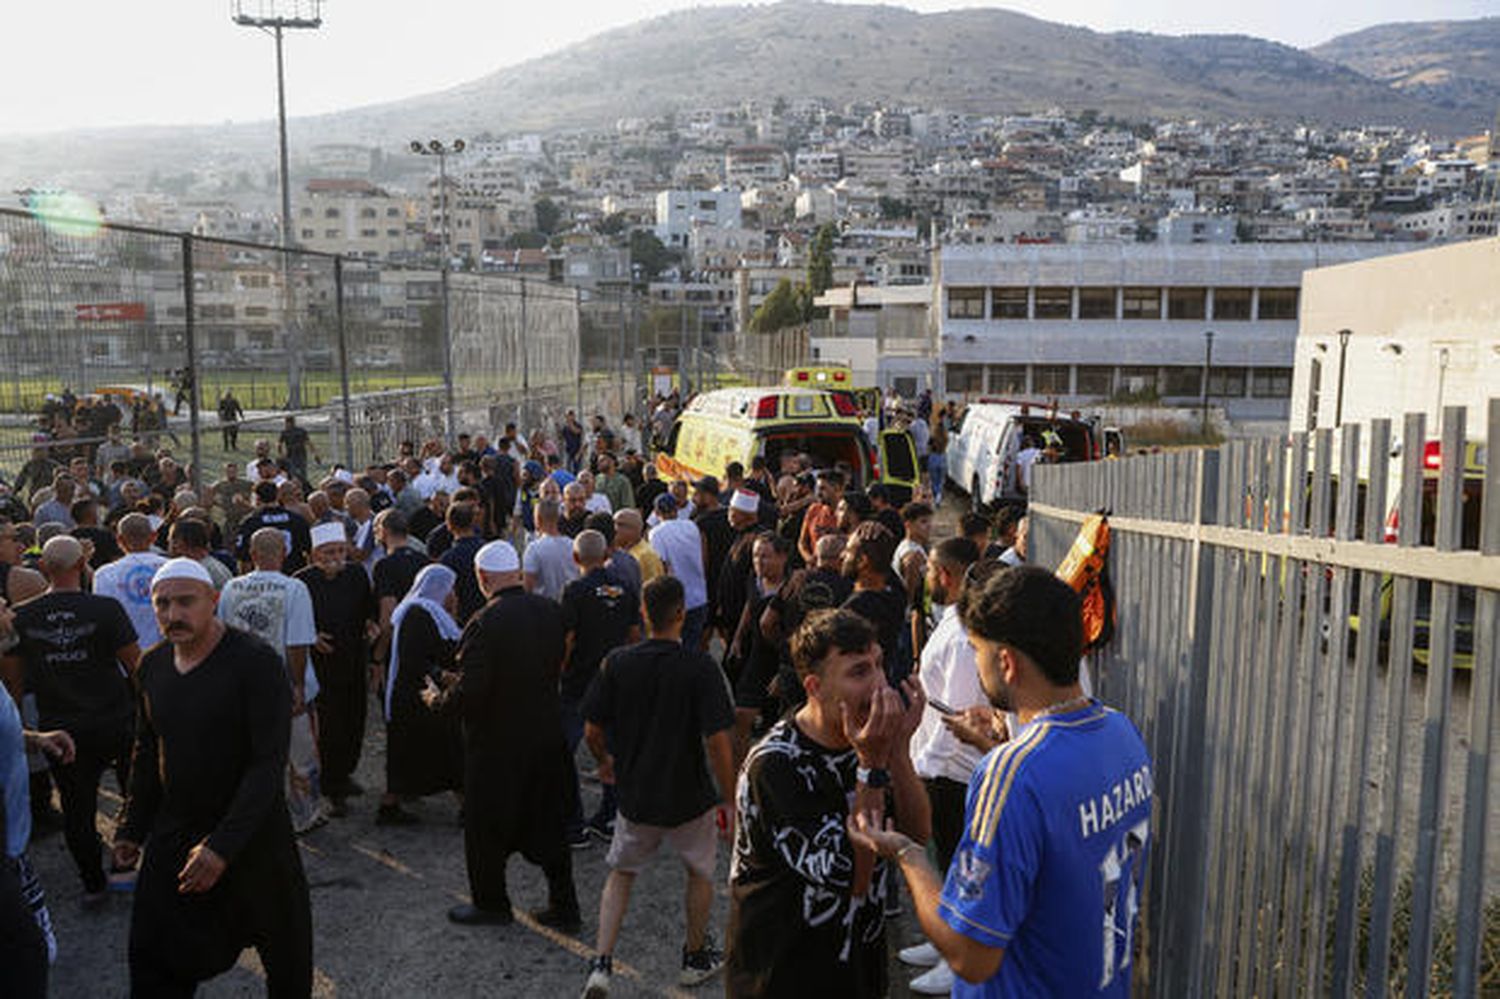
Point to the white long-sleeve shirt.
(950, 674)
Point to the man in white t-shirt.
(128, 579)
(278, 609)
(594, 501)
(683, 553)
(1025, 459)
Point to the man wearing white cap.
(344, 614)
(221, 871)
(278, 610)
(516, 770)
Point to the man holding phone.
(945, 764)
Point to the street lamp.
(436, 148)
(1208, 361)
(1338, 403)
(274, 17)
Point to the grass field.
(256, 388)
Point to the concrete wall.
(1422, 324)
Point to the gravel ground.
(379, 896)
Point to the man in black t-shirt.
(807, 906)
(649, 715)
(270, 513)
(70, 655)
(877, 598)
(393, 573)
(294, 445)
(599, 614)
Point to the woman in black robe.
(424, 750)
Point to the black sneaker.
(698, 966)
(601, 971)
(604, 832)
(564, 919)
(580, 840)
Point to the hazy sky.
(77, 63)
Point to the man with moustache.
(221, 871)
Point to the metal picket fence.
(1309, 638)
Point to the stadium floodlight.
(274, 17)
(435, 147)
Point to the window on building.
(1227, 383)
(1231, 303)
(1096, 382)
(1272, 383)
(1186, 380)
(369, 233)
(965, 303)
(391, 213)
(1278, 303)
(1007, 379)
(393, 232)
(330, 213)
(1141, 303)
(1049, 379)
(1139, 381)
(1187, 303)
(331, 234)
(1008, 303)
(965, 379)
(309, 233)
(1096, 303)
(1054, 303)
(262, 340)
(367, 213)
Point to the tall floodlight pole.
(442, 152)
(274, 17)
(1208, 367)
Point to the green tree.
(548, 215)
(894, 208)
(613, 225)
(782, 307)
(820, 260)
(525, 241)
(650, 254)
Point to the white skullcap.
(745, 501)
(328, 534)
(344, 475)
(497, 556)
(182, 568)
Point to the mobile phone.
(940, 707)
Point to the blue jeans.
(937, 470)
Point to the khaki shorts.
(694, 841)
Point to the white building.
(677, 212)
(352, 217)
(1081, 322)
(1098, 225)
(1185, 228)
(1424, 333)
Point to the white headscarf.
(428, 591)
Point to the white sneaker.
(937, 981)
(923, 955)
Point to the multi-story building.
(1185, 228)
(677, 212)
(1080, 322)
(352, 217)
(746, 166)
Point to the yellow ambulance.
(740, 424)
(833, 378)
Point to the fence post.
(338, 312)
(577, 348)
(1180, 959)
(190, 336)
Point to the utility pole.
(1208, 367)
(442, 152)
(1338, 406)
(274, 17)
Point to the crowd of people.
(771, 658)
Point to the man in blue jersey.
(1043, 893)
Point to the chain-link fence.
(208, 347)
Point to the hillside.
(1440, 76)
(975, 60)
(1454, 65)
